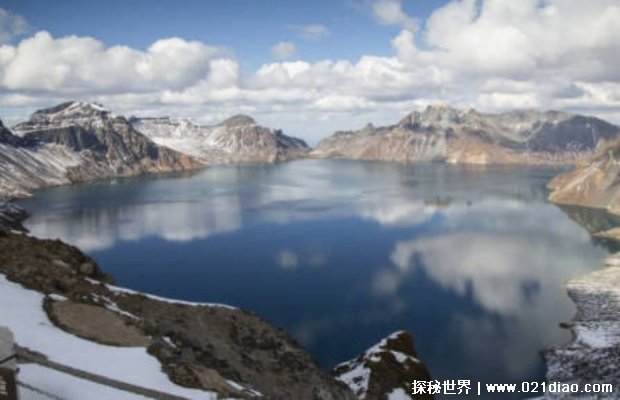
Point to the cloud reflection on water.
(482, 241)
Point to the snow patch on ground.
(122, 290)
(357, 379)
(597, 336)
(374, 353)
(112, 306)
(65, 386)
(22, 312)
(399, 394)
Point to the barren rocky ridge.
(443, 133)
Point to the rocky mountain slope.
(25, 167)
(595, 183)
(87, 142)
(11, 216)
(237, 139)
(442, 133)
(209, 347)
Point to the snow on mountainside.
(25, 168)
(238, 139)
(22, 312)
(64, 115)
(384, 370)
(467, 136)
(59, 303)
(75, 142)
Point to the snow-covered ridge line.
(122, 290)
(238, 139)
(78, 142)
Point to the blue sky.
(310, 68)
(247, 27)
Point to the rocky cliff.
(442, 133)
(11, 216)
(76, 142)
(108, 143)
(237, 139)
(594, 183)
(25, 167)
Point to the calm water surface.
(342, 253)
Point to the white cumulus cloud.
(493, 55)
(82, 64)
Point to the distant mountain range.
(78, 141)
(237, 139)
(442, 133)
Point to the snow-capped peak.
(71, 109)
(66, 114)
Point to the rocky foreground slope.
(213, 348)
(442, 133)
(77, 142)
(237, 139)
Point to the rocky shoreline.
(593, 356)
(589, 195)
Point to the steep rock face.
(113, 147)
(385, 370)
(8, 138)
(442, 133)
(11, 215)
(594, 183)
(238, 139)
(26, 166)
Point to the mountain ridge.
(78, 142)
(443, 133)
(594, 183)
(237, 139)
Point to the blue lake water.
(341, 253)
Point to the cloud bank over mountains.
(488, 54)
